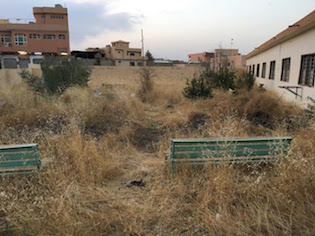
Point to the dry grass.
(93, 145)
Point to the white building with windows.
(286, 62)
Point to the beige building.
(230, 58)
(122, 55)
(286, 62)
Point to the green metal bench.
(228, 150)
(19, 159)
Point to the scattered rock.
(136, 183)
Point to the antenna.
(232, 42)
(142, 42)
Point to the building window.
(253, 72)
(258, 70)
(34, 36)
(132, 63)
(56, 17)
(263, 71)
(49, 36)
(37, 61)
(250, 69)
(20, 39)
(272, 70)
(285, 73)
(5, 40)
(307, 71)
(62, 36)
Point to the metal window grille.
(307, 71)
(285, 73)
(272, 70)
(263, 71)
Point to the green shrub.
(199, 86)
(58, 75)
(223, 79)
(245, 81)
(35, 82)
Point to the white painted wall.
(293, 48)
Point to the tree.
(145, 91)
(245, 81)
(223, 79)
(199, 86)
(58, 74)
(150, 57)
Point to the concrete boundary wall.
(114, 72)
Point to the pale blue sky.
(172, 28)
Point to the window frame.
(285, 69)
(310, 73)
(272, 70)
(62, 37)
(19, 42)
(258, 70)
(263, 70)
(5, 40)
(49, 36)
(37, 36)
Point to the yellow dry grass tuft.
(92, 144)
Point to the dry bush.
(264, 108)
(20, 108)
(95, 113)
(107, 142)
(146, 88)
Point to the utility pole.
(142, 42)
(232, 42)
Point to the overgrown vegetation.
(145, 90)
(92, 146)
(58, 74)
(202, 84)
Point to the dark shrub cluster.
(58, 74)
(202, 84)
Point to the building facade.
(229, 58)
(286, 62)
(203, 57)
(48, 34)
(121, 54)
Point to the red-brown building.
(49, 34)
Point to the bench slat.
(232, 140)
(239, 153)
(19, 163)
(234, 147)
(229, 150)
(18, 156)
(19, 146)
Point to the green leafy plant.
(245, 81)
(58, 74)
(223, 79)
(199, 86)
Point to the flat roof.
(301, 26)
(33, 27)
(200, 53)
(120, 41)
(53, 10)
